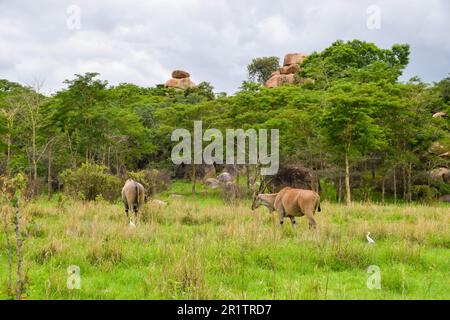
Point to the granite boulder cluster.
(286, 73)
(180, 80)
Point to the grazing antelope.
(289, 202)
(133, 197)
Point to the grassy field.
(200, 248)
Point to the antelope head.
(258, 198)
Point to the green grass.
(200, 248)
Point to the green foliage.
(261, 68)
(348, 119)
(95, 124)
(154, 181)
(355, 59)
(355, 107)
(424, 193)
(444, 89)
(89, 181)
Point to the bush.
(154, 181)
(424, 193)
(231, 192)
(91, 181)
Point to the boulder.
(180, 74)
(446, 177)
(293, 68)
(180, 83)
(224, 177)
(440, 173)
(212, 183)
(286, 73)
(279, 80)
(276, 73)
(293, 58)
(445, 198)
(437, 148)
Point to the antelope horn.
(263, 185)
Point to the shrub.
(424, 193)
(154, 181)
(91, 181)
(231, 192)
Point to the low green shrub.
(424, 193)
(90, 182)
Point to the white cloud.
(142, 41)
(276, 30)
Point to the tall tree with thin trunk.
(348, 124)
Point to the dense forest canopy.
(358, 128)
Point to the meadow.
(198, 247)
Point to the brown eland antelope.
(133, 197)
(289, 202)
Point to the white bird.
(369, 239)
(132, 225)
(158, 203)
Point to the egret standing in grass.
(369, 239)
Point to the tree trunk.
(109, 158)
(404, 182)
(33, 152)
(194, 178)
(117, 164)
(72, 154)
(383, 190)
(34, 156)
(324, 187)
(49, 173)
(395, 187)
(340, 189)
(247, 174)
(9, 254)
(348, 197)
(8, 157)
(409, 181)
(19, 252)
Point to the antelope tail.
(318, 206)
(137, 193)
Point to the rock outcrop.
(441, 173)
(293, 58)
(280, 79)
(286, 73)
(180, 80)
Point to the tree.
(100, 124)
(355, 59)
(261, 68)
(9, 113)
(444, 89)
(348, 124)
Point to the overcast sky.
(141, 42)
